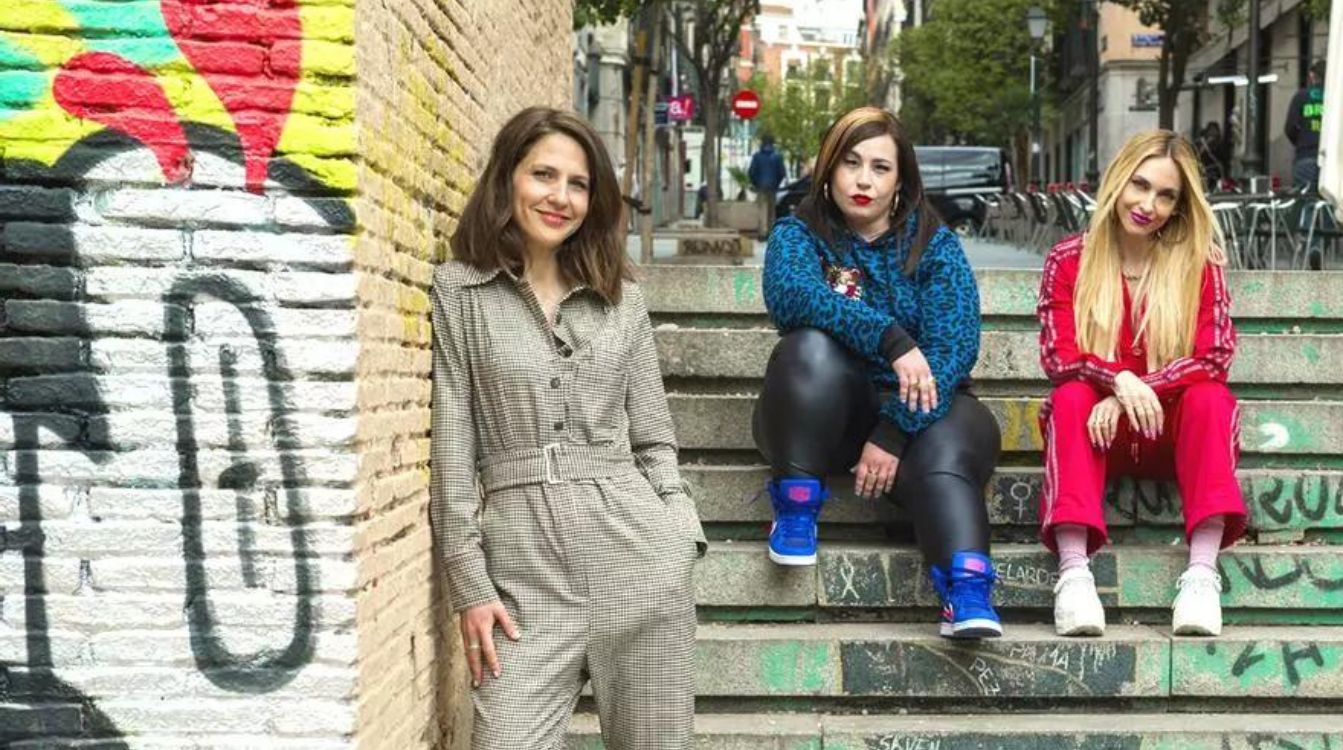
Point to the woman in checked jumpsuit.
(566, 533)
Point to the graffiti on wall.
(191, 84)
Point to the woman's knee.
(808, 362)
(809, 348)
(965, 443)
(1208, 398)
(1074, 397)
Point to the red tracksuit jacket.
(1214, 337)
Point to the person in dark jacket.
(872, 292)
(1305, 114)
(766, 174)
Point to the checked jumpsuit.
(555, 490)
(1199, 442)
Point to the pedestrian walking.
(870, 290)
(560, 517)
(1305, 118)
(1136, 336)
(766, 174)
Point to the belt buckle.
(548, 459)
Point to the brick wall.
(437, 80)
(213, 393)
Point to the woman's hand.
(918, 389)
(478, 637)
(1140, 403)
(875, 472)
(1104, 423)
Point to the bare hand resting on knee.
(875, 472)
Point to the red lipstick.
(861, 200)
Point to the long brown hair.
(488, 238)
(1168, 294)
(820, 211)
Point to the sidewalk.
(982, 254)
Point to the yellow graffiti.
(49, 51)
(318, 135)
(1020, 422)
(37, 15)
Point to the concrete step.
(1290, 583)
(1013, 356)
(911, 661)
(1284, 502)
(723, 422)
(1034, 731)
(735, 291)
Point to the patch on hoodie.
(846, 281)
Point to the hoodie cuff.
(896, 343)
(889, 438)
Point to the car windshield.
(950, 168)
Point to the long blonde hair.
(1170, 289)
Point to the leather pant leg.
(818, 407)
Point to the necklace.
(1133, 275)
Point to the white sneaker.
(1077, 606)
(1198, 606)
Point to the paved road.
(982, 253)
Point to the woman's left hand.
(875, 472)
(918, 388)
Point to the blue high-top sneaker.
(797, 503)
(966, 591)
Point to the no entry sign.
(746, 104)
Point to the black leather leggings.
(818, 408)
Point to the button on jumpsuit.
(555, 490)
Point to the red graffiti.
(259, 105)
(112, 91)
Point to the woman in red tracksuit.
(1136, 337)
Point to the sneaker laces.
(1071, 579)
(797, 528)
(974, 585)
(1194, 580)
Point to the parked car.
(954, 175)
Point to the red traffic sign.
(746, 104)
(681, 108)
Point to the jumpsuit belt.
(555, 463)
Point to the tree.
(709, 41)
(1184, 27)
(966, 73)
(798, 109)
(602, 12)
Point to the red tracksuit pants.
(1197, 447)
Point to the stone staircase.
(845, 654)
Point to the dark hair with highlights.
(487, 237)
(820, 211)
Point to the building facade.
(1112, 44)
(1289, 40)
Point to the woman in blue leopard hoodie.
(871, 292)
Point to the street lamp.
(1037, 23)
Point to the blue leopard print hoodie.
(857, 292)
